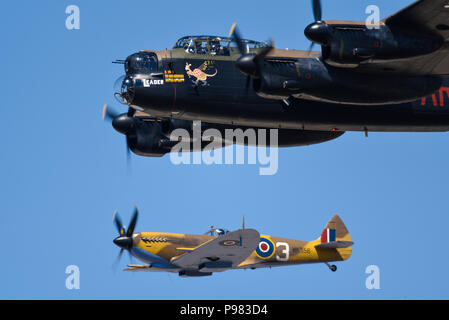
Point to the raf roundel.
(265, 249)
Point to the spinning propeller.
(124, 241)
(123, 123)
(318, 31)
(250, 64)
(317, 11)
(317, 14)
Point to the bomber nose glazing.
(124, 89)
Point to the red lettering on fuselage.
(442, 90)
(434, 97)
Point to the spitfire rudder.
(335, 236)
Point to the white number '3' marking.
(285, 249)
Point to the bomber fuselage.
(312, 95)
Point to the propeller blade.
(317, 11)
(125, 242)
(235, 34)
(133, 222)
(312, 44)
(118, 223)
(131, 260)
(243, 48)
(117, 260)
(265, 50)
(108, 113)
(128, 152)
(131, 112)
(249, 64)
(248, 82)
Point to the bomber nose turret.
(124, 89)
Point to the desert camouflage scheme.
(219, 250)
(304, 251)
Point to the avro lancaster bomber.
(392, 77)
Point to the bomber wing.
(428, 16)
(225, 251)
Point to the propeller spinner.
(123, 123)
(318, 31)
(125, 241)
(249, 64)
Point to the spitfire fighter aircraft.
(393, 76)
(220, 250)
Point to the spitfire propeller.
(125, 241)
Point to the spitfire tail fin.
(336, 236)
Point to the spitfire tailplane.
(335, 236)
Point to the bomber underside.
(316, 116)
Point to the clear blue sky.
(63, 170)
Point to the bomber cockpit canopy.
(213, 45)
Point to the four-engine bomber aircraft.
(390, 78)
(220, 250)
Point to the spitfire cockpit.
(217, 232)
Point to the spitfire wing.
(137, 267)
(226, 250)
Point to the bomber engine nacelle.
(348, 45)
(311, 79)
(282, 78)
(144, 135)
(151, 137)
